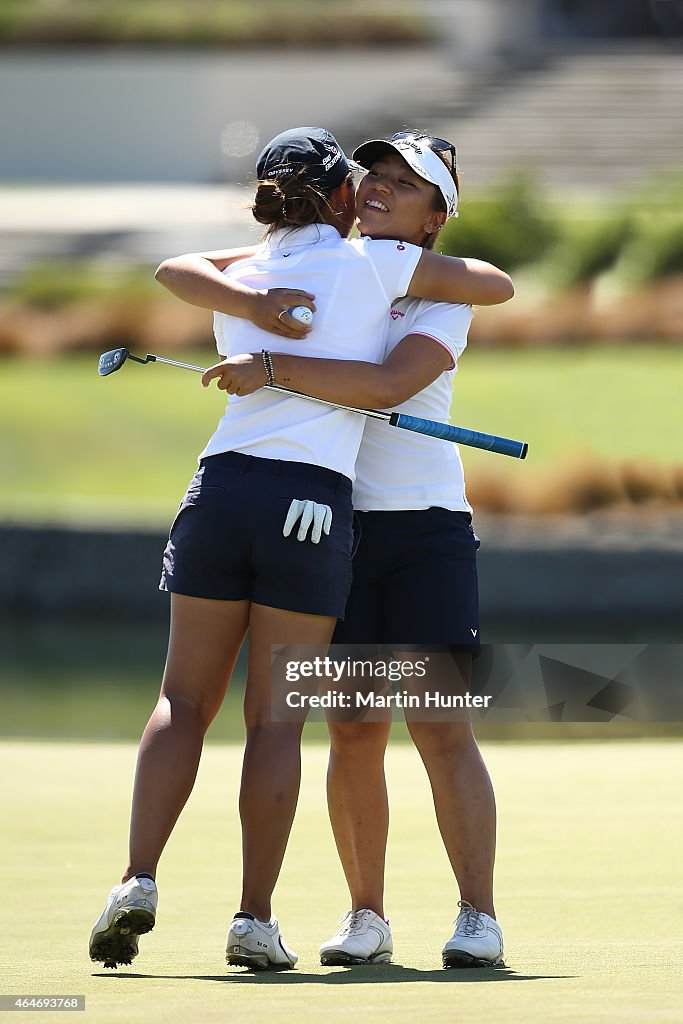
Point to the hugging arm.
(198, 279)
(452, 279)
(415, 362)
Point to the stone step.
(570, 118)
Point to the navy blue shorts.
(414, 580)
(226, 541)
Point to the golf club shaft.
(376, 413)
(171, 362)
(431, 428)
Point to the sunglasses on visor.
(436, 144)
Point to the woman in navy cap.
(232, 563)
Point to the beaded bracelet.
(268, 363)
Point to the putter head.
(112, 361)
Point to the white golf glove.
(309, 512)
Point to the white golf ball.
(301, 313)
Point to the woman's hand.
(238, 375)
(268, 310)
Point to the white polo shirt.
(354, 283)
(398, 469)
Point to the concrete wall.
(153, 116)
(528, 591)
(478, 33)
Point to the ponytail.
(289, 201)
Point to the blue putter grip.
(461, 435)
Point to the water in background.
(97, 681)
(89, 681)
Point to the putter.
(114, 360)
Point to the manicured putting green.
(589, 848)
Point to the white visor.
(420, 158)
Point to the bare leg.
(204, 641)
(358, 807)
(463, 800)
(271, 771)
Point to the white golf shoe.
(130, 912)
(477, 940)
(257, 944)
(364, 938)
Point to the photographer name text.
(402, 699)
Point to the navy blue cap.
(312, 150)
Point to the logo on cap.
(409, 144)
(330, 161)
(281, 169)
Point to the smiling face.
(393, 201)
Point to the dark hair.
(290, 201)
(439, 202)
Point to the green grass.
(123, 448)
(615, 402)
(119, 447)
(588, 846)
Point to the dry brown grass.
(581, 486)
(156, 325)
(584, 314)
(677, 482)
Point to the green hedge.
(510, 226)
(51, 286)
(637, 239)
(207, 23)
